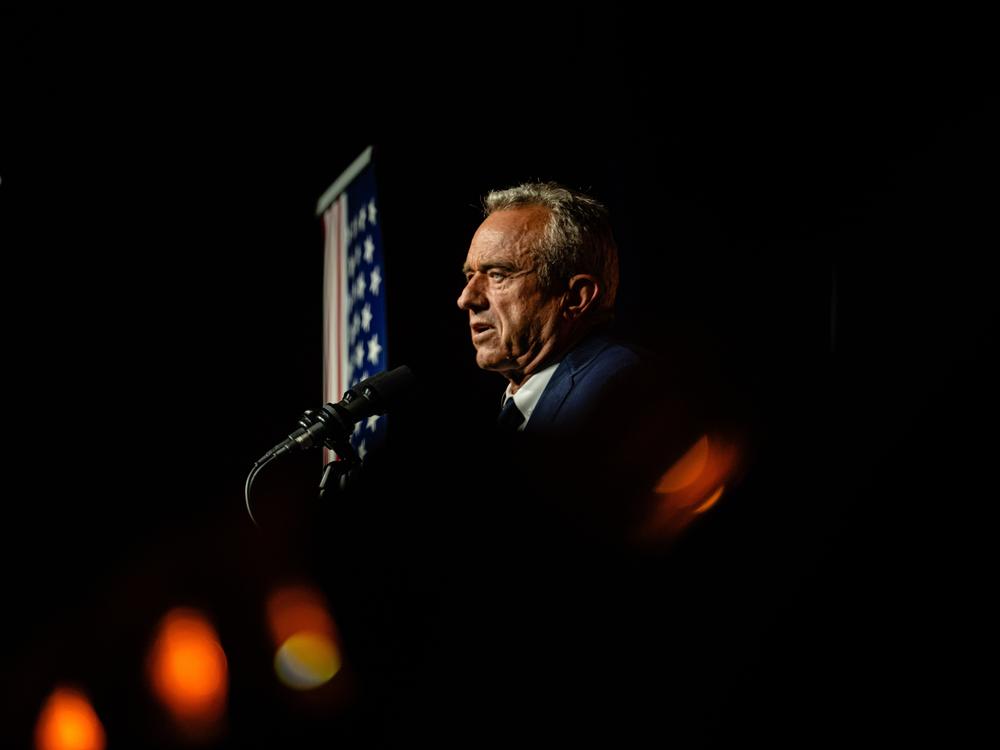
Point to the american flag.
(354, 317)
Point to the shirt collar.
(530, 392)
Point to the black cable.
(254, 471)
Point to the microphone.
(332, 424)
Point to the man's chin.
(489, 361)
(486, 363)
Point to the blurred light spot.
(188, 670)
(307, 660)
(294, 609)
(68, 722)
(711, 501)
(687, 469)
(308, 653)
(691, 485)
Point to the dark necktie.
(510, 417)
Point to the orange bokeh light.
(188, 671)
(691, 485)
(297, 609)
(713, 498)
(308, 654)
(68, 722)
(687, 469)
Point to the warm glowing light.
(711, 500)
(691, 485)
(295, 609)
(307, 660)
(308, 653)
(687, 469)
(68, 722)
(188, 669)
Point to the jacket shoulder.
(585, 378)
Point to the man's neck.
(517, 378)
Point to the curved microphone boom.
(332, 424)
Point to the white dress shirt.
(527, 396)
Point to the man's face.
(514, 322)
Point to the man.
(541, 278)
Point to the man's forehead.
(481, 256)
(507, 236)
(516, 221)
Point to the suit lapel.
(552, 398)
(563, 379)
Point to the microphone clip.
(332, 425)
(328, 422)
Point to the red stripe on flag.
(340, 284)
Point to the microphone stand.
(337, 441)
(347, 461)
(332, 426)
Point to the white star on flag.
(371, 422)
(362, 451)
(376, 280)
(374, 349)
(371, 212)
(361, 218)
(357, 428)
(356, 326)
(366, 317)
(359, 286)
(359, 354)
(369, 250)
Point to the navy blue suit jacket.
(581, 385)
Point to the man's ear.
(581, 293)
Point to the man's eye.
(497, 275)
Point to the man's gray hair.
(577, 238)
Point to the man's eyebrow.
(496, 265)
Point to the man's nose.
(472, 297)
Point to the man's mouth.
(479, 330)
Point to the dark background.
(807, 225)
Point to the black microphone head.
(385, 388)
(378, 393)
